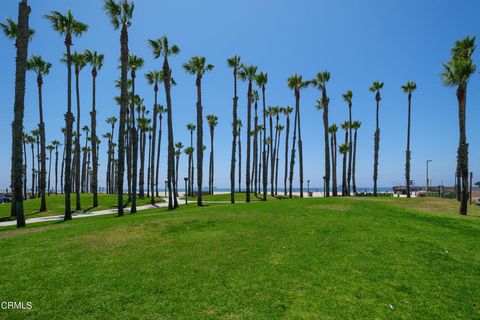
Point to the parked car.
(5, 198)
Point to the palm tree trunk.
(43, 155)
(249, 128)
(327, 149)
(77, 143)
(157, 174)
(172, 200)
(199, 140)
(276, 163)
(25, 197)
(211, 171)
(141, 187)
(292, 155)
(354, 185)
(149, 163)
(134, 146)
(56, 169)
(177, 161)
(69, 129)
(33, 170)
(62, 171)
(93, 124)
(300, 145)
(376, 148)
(123, 112)
(129, 150)
(234, 137)
(334, 163)
(154, 139)
(239, 159)
(349, 172)
(462, 157)
(286, 156)
(407, 153)
(264, 153)
(255, 147)
(344, 175)
(19, 107)
(49, 170)
(272, 156)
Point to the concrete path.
(82, 214)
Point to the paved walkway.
(82, 214)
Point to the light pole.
(308, 186)
(426, 189)
(166, 182)
(186, 193)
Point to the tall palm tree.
(239, 131)
(41, 68)
(191, 172)
(95, 60)
(189, 152)
(296, 83)
(62, 171)
(36, 137)
(160, 111)
(21, 35)
(408, 88)
(85, 129)
(355, 125)
(153, 77)
(248, 73)
(347, 97)
(161, 47)
(134, 63)
(149, 157)
(178, 153)
(198, 67)
(120, 14)
(333, 146)
(67, 26)
(25, 164)
(234, 63)
(286, 111)
(456, 73)
(111, 121)
(260, 130)
(212, 123)
(56, 144)
(255, 98)
(261, 80)
(320, 82)
(344, 150)
(345, 126)
(376, 87)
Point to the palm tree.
(286, 111)
(347, 97)
(191, 172)
(189, 152)
(178, 153)
(255, 98)
(25, 165)
(234, 63)
(198, 67)
(111, 121)
(345, 126)
(456, 73)
(120, 14)
(21, 34)
(62, 171)
(161, 47)
(36, 137)
(344, 150)
(153, 77)
(160, 111)
(320, 82)
(333, 146)
(260, 130)
(248, 73)
(355, 125)
(134, 63)
(41, 68)
(296, 83)
(67, 26)
(95, 60)
(212, 123)
(239, 131)
(261, 80)
(376, 87)
(408, 88)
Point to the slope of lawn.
(239, 196)
(56, 205)
(292, 259)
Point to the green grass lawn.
(56, 205)
(239, 196)
(320, 258)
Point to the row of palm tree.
(456, 73)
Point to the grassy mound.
(293, 259)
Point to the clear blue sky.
(357, 41)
